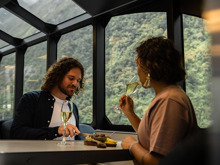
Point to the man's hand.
(70, 130)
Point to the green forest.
(123, 34)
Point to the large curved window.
(78, 44)
(198, 67)
(123, 35)
(7, 84)
(34, 67)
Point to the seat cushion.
(5, 130)
(84, 128)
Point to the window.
(78, 44)
(34, 67)
(198, 67)
(123, 35)
(52, 11)
(8, 22)
(7, 84)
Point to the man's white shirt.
(56, 117)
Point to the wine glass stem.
(64, 135)
(117, 110)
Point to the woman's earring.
(147, 82)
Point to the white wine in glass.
(131, 88)
(66, 114)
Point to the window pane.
(78, 44)
(7, 84)
(123, 35)
(34, 67)
(52, 11)
(8, 22)
(198, 66)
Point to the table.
(47, 152)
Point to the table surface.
(48, 152)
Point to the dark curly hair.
(57, 71)
(159, 57)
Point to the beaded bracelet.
(131, 147)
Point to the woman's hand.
(126, 104)
(70, 130)
(126, 142)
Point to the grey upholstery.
(84, 128)
(5, 129)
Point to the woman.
(170, 118)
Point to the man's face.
(70, 82)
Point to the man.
(37, 115)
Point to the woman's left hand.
(126, 104)
(126, 142)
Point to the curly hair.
(159, 57)
(57, 71)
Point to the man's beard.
(65, 91)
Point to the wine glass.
(131, 88)
(66, 113)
